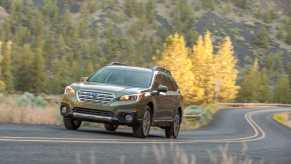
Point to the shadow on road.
(117, 133)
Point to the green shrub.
(243, 4)
(207, 114)
(279, 118)
(30, 100)
(208, 4)
(261, 39)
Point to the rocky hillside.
(258, 28)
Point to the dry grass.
(10, 112)
(224, 156)
(174, 154)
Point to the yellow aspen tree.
(203, 67)
(209, 72)
(208, 46)
(226, 72)
(175, 58)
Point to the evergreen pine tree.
(254, 87)
(151, 12)
(39, 84)
(288, 37)
(249, 84)
(282, 90)
(262, 40)
(2, 84)
(264, 90)
(208, 4)
(62, 75)
(24, 71)
(6, 65)
(130, 7)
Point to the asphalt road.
(239, 134)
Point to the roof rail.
(162, 69)
(116, 63)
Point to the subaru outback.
(124, 95)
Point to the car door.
(160, 99)
(171, 96)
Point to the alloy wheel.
(177, 124)
(146, 122)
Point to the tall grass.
(27, 109)
(174, 154)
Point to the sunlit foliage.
(226, 72)
(203, 76)
(175, 58)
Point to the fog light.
(128, 117)
(64, 109)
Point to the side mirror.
(162, 88)
(83, 79)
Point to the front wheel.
(173, 130)
(72, 124)
(143, 128)
(110, 127)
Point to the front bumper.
(123, 116)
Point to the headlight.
(135, 97)
(69, 91)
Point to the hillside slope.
(72, 38)
(243, 21)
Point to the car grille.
(93, 112)
(95, 96)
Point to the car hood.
(117, 90)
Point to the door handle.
(163, 93)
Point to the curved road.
(239, 134)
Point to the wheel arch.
(151, 105)
(181, 113)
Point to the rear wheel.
(143, 128)
(72, 124)
(173, 130)
(110, 127)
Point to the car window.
(164, 80)
(174, 84)
(168, 82)
(157, 82)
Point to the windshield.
(123, 77)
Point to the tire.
(143, 128)
(72, 124)
(173, 130)
(110, 127)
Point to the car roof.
(129, 67)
